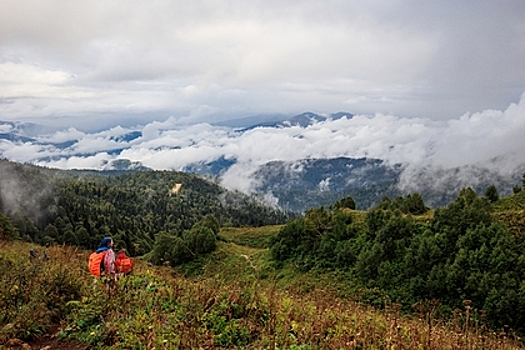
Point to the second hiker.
(123, 264)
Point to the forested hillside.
(471, 252)
(54, 207)
(308, 183)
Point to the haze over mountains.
(301, 155)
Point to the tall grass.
(158, 309)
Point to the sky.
(101, 63)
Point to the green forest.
(80, 208)
(468, 253)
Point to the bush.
(174, 250)
(7, 229)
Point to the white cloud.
(469, 140)
(63, 135)
(25, 152)
(482, 136)
(490, 137)
(4, 128)
(94, 162)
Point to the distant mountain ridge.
(214, 168)
(303, 120)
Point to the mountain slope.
(320, 182)
(301, 181)
(308, 183)
(80, 208)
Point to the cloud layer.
(491, 138)
(101, 63)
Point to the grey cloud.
(212, 60)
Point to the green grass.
(255, 237)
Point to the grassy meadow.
(234, 298)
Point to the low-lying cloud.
(491, 138)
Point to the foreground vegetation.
(157, 308)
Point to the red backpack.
(124, 265)
(96, 263)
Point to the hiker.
(102, 262)
(123, 264)
(106, 245)
(34, 255)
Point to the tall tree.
(492, 193)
